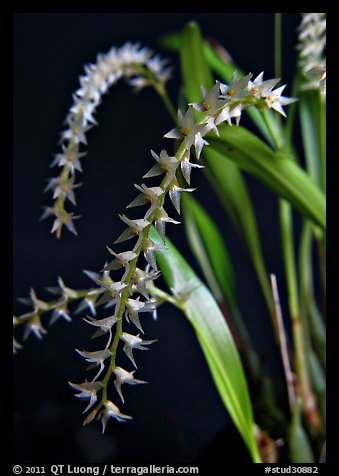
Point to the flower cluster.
(126, 286)
(141, 68)
(312, 44)
(31, 322)
(130, 294)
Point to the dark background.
(179, 412)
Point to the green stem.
(167, 102)
(298, 332)
(277, 45)
(316, 324)
(49, 306)
(322, 136)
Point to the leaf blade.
(215, 339)
(275, 169)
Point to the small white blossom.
(87, 390)
(63, 187)
(189, 131)
(229, 113)
(121, 260)
(112, 411)
(140, 279)
(60, 311)
(76, 132)
(96, 358)
(174, 193)
(67, 292)
(105, 325)
(236, 89)
(88, 302)
(133, 307)
(34, 326)
(275, 101)
(63, 218)
(135, 228)
(184, 290)
(37, 304)
(134, 342)
(147, 195)
(122, 376)
(186, 167)
(260, 88)
(70, 156)
(160, 219)
(149, 249)
(165, 164)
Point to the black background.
(179, 412)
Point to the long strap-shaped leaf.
(275, 169)
(215, 339)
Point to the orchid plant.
(206, 135)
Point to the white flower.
(165, 164)
(60, 311)
(149, 248)
(96, 358)
(112, 411)
(140, 279)
(228, 113)
(159, 67)
(211, 105)
(186, 167)
(66, 292)
(34, 325)
(184, 290)
(135, 228)
(70, 156)
(121, 260)
(236, 89)
(87, 390)
(105, 325)
(275, 101)
(175, 191)
(260, 88)
(134, 306)
(88, 302)
(62, 218)
(63, 188)
(122, 376)
(134, 342)
(83, 110)
(76, 132)
(189, 131)
(160, 219)
(148, 195)
(37, 304)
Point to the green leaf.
(199, 225)
(215, 339)
(275, 169)
(227, 180)
(212, 255)
(309, 119)
(194, 67)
